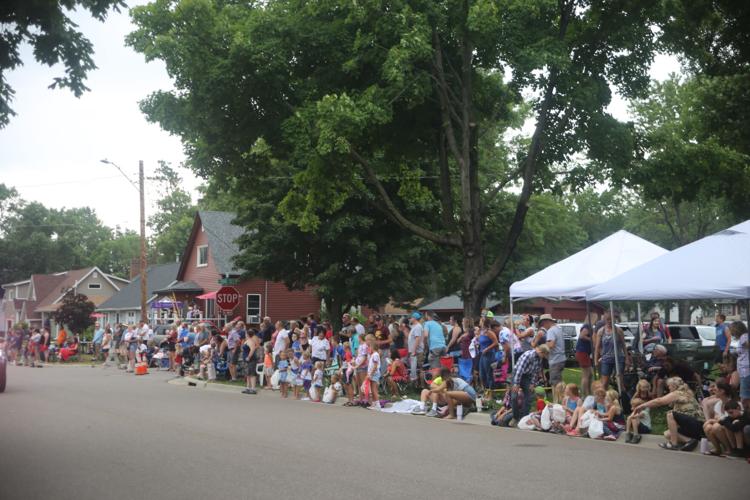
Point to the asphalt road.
(93, 433)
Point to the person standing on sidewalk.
(436, 338)
(723, 339)
(556, 344)
(97, 341)
(415, 346)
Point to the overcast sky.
(51, 150)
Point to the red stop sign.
(227, 298)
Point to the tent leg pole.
(512, 329)
(639, 340)
(614, 340)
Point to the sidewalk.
(648, 441)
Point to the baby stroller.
(188, 364)
(222, 369)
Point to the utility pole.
(142, 194)
(144, 311)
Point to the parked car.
(687, 345)
(708, 337)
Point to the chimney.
(135, 267)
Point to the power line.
(67, 182)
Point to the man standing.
(436, 339)
(723, 338)
(556, 344)
(233, 350)
(528, 370)
(415, 345)
(266, 330)
(98, 335)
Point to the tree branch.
(392, 211)
(529, 167)
(446, 191)
(445, 107)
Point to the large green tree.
(173, 218)
(46, 26)
(393, 98)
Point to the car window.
(568, 330)
(707, 332)
(683, 333)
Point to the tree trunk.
(473, 296)
(685, 312)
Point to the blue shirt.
(435, 332)
(721, 339)
(191, 338)
(98, 336)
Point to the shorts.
(105, 350)
(171, 347)
(132, 347)
(282, 377)
(607, 367)
(471, 392)
(252, 368)
(583, 359)
(555, 373)
(688, 426)
(375, 377)
(233, 356)
(642, 429)
(306, 384)
(346, 378)
(315, 360)
(435, 355)
(745, 387)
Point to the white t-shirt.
(374, 364)
(320, 348)
(318, 378)
(719, 412)
(331, 392)
(281, 339)
(205, 348)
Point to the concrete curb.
(648, 441)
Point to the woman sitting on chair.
(66, 353)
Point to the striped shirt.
(528, 364)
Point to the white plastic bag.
(525, 423)
(552, 413)
(596, 428)
(546, 418)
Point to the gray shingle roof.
(222, 239)
(180, 286)
(157, 277)
(452, 303)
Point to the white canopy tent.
(602, 261)
(571, 277)
(715, 267)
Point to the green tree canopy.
(394, 98)
(45, 25)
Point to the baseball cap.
(416, 315)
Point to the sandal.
(348, 403)
(669, 446)
(713, 453)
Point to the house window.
(95, 286)
(253, 308)
(202, 256)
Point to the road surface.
(94, 433)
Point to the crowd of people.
(459, 367)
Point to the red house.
(208, 258)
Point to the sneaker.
(432, 413)
(252, 391)
(628, 437)
(246, 391)
(419, 410)
(443, 412)
(736, 453)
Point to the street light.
(141, 192)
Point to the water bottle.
(479, 403)
(460, 412)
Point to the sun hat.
(547, 317)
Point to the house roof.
(222, 237)
(157, 277)
(70, 279)
(44, 285)
(454, 303)
(180, 286)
